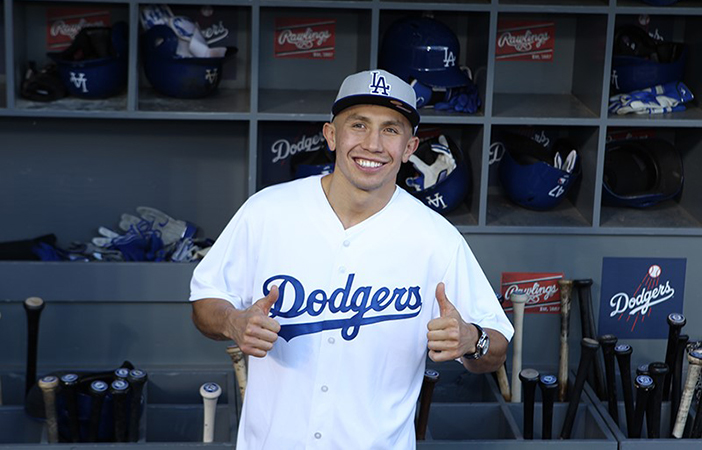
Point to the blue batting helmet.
(641, 173)
(95, 65)
(422, 49)
(528, 175)
(175, 76)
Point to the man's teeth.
(366, 163)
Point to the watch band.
(481, 346)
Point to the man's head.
(378, 87)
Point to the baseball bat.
(119, 390)
(529, 379)
(549, 386)
(503, 383)
(565, 287)
(69, 384)
(518, 299)
(607, 343)
(33, 307)
(642, 369)
(210, 392)
(587, 321)
(588, 349)
(653, 414)
(696, 431)
(676, 380)
(644, 385)
(48, 385)
(136, 379)
(675, 323)
(239, 362)
(430, 379)
(97, 392)
(694, 358)
(623, 354)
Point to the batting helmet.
(175, 76)
(660, 2)
(437, 174)
(641, 173)
(640, 61)
(422, 49)
(95, 65)
(528, 175)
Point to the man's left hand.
(449, 336)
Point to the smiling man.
(340, 285)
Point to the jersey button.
(331, 340)
(342, 269)
(318, 435)
(325, 389)
(347, 243)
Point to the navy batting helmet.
(422, 49)
(175, 76)
(95, 65)
(437, 174)
(641, 173)
(528, 174)
(640, 61)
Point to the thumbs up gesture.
(254, 331)
(449, 336)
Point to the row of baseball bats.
(655, 382)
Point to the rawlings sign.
(64, 24)
(542, 291)
(304, 38)
(525, 40)
(638, 294)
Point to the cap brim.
(366, 99)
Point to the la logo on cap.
(378, 84)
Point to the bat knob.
(518, 296)
(607, 341)
(137, 376)
(585, 282)
(119, 387)
(548, 381)
(210, 390)
(69, 379)
(98, 387)
(431, 375)
(589, 344)
(644, 383)
(48, 382)
(676, 320)
(657, 369)
(33, 303)
(623, 350)
(529, 376)
(695, 357)
(642, 369)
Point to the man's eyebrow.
(361, 117)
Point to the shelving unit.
(73, 165)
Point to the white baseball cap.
(378, 87)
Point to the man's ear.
(411, 147)
(329, 132)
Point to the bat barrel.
(210, 392)
(596, 376)
(676, 380)
(694, 358)
(644, 386)
(137, 378)
(33, 307)
(119, 390)
(97, 392)
(518, 299)
(69, 383)
(657, 370)
(48, 385)
(566, 288)
(529, 379)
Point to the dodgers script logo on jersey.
(355, 306)
(638, 294)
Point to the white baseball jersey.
(353, 306)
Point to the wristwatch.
(481, 348)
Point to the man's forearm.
(212, 317)
(496, 355)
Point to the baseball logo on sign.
(654, 271)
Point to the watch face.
(483, 343)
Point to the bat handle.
(239, 362)
(137, 378)
(566, 288)
(657, 370)
(430, 379)
(693, 373)
(623, 354)
(48, 385)
(675, 323)
(607, 343)
(119, 390)
(644, 385)
(33, 307)
(676, 379)
(503, 383)
(98, 390)
(69, 383)
(588, 349)
(529, 378)
(519, 299)
(548, 385)
(210, 392)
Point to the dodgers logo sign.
(638, 294)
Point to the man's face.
(370, 142)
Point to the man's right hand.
(253, 331)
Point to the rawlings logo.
(61, 28)
(365, 302)
(304, 40)
(523, 42)
(536, 293)
(283, 149)
(622, 302)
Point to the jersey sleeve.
(224, 272)
(469, 290)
